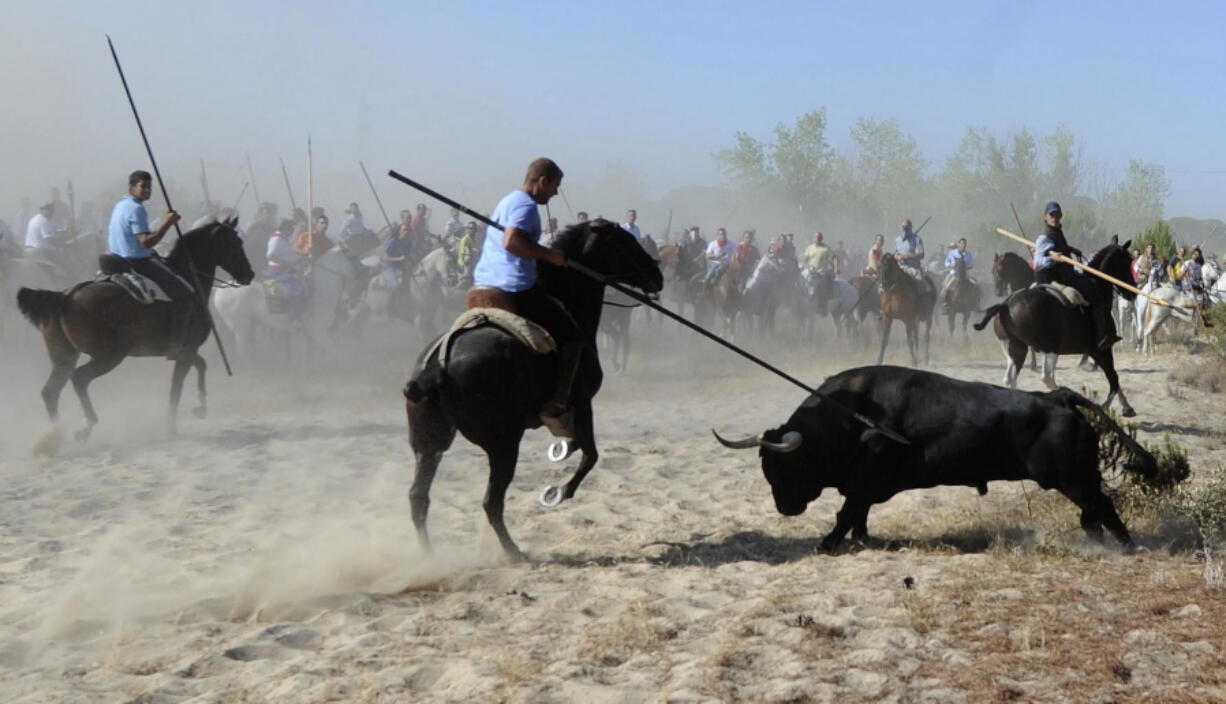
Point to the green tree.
(797, 165)
(1137, 201)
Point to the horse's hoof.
(81, 435)
(200, 411)
(560, 450)
(550, 496)
(1127, 412)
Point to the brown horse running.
(905, 298)
(963, 297)
(103, 321)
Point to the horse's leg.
(1106, 362)
(430, 434)
(201, 392)
(912, 328)
(182, 366)
(1015, 359)
(585, 438)
(1049, 369)
(81, 377)
(502, 470)
(886, 323)
(63, 359)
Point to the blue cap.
(1052, 207)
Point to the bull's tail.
(40, 306)
(1141, 462)
(999, 309)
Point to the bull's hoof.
(200, 411)
(829, 544)
(1127, 412)
(516, 556)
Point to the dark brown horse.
(103, 321)
(492, 386)
(868, 303)
(1010, 273)
(905, 298)
(963, 296)
(1033, 317)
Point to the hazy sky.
(468, 92)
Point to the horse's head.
(231, 256)
(998, 278)
(606, 248)
(889, 271)
(1115, 261)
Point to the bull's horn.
(742, 444)
(790, 443)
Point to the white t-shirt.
(39, 231)
(720, 254)
(634, 230)
(280, 251)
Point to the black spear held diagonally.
(254, 188)
(647, 301)
(292, 203)
(191, 265)
(375, 193)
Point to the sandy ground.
(266, 554)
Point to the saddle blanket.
(534, 336)
(142, 289)
(1067, 295)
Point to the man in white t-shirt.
(629, 225)
(718, 254)
(43, 240)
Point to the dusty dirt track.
(267, 555)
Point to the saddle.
(115, 269)
(1068, 296)
(535, 337)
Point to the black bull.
(961, 433)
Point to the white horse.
(1150, 316)
(245, 309)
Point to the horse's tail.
(999, 309)
(40, 306)
(1141, 462)
(427, 376)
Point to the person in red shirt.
(317, 242)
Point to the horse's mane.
(1101, 255)
(571, 239)
(1013, 255)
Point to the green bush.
(1160, 236)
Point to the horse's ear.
(1127, 245)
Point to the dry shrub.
(1208, 374)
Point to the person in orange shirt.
(315, 243)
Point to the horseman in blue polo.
(1047, 270)
(909, 250)
(129, 237)
(508, 263)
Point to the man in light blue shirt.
(129, 237)
(909, 249)
(959, 252)
(508, 263)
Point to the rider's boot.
(569, 357)
(1104, 327)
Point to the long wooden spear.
(166, 196)
(375, 193)
(1088, 269)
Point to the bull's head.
(793, 482)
